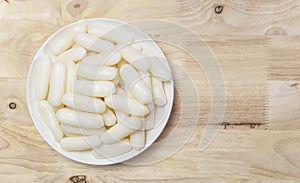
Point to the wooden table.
(257, 45)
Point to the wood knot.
(76, 7)
(294, 85)
(218, 9)
(78, 179)
(12, 105)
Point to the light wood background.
(257, 44)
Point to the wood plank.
(234, 154)
(63, 12)
(241, 17)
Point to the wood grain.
(242, 17)
(284, 105)
(285, 60)
(256, 44)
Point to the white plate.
(162, 113)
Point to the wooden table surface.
(257, 45)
